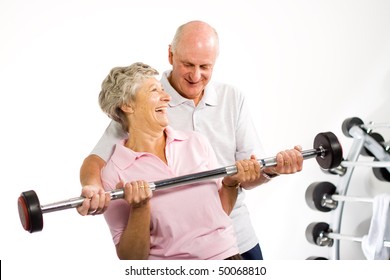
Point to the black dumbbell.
(321, 234)
(322, 196)
(317, 196)
(349, 123)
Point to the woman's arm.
(247, 171)
(228, 196)
(135, 240)
(134, 243)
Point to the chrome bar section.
(116, 194)
(154, 186)
(269, 162)
(76, 202)
(192, 178)
(339, 170)
(62, 205)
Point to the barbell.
(322, 196)
(326, 149)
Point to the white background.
(305, 66)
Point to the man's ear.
(170, 55)
(127, 108)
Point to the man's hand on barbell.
(288, 162)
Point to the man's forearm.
(90, 171)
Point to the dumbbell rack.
(362, 139)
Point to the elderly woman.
(186, 222)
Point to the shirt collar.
(124, 157)
(209, 98)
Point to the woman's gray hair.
(120, 87)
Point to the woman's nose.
(165, 96)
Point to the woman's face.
(150, 105)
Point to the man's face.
(192, 68)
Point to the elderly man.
(219, 111)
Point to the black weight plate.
(349, 123)
(334, 152)
(314, 230)
(379, 138)
(30, 212)
(24, 214)
(381, 173)
(315, 192)
(317, 258)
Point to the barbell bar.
(327, 151)
(321, 234)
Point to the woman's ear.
(127, 108)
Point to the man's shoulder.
(224, 86)
(226, 92)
